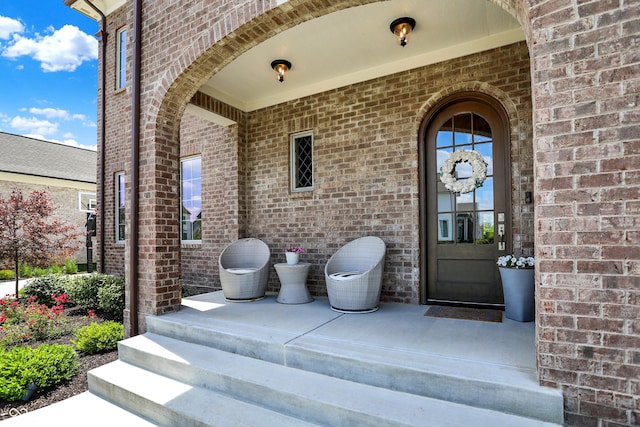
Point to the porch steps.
(173, 382)
(497, 387)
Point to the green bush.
(83, 291)
(25, 271)
(54, 269)
(87, 292)
(70, 266)
(44, 366)
(7, 274)
(43, 287)
(111, 299)
(99, 337)
(39, 272)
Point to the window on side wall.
(302, 162)
(121, 59)
(119, 214)
(191, 199)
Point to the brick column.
(586, 83)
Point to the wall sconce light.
(281, 67)
(401, 27)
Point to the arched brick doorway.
(195, 65)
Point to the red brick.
(582, 105)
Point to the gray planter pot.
(518, 287)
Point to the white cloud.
(34, 125)
(62, 50)
(50, 113)
(57, 113)
(9, 26)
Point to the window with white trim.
(119, 203)
(121, 58)
(191, 199)
(302, 162)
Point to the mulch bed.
(76, 385)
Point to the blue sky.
(48, 72)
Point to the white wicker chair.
(244, 270)
(354, 276)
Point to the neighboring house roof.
(29, 156)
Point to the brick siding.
(574, 128)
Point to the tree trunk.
(16, 270)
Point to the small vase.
(518, 288)
(292, 257)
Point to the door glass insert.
(465, 218)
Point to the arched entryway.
(178, 84)
(463, 233)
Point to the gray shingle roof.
(28, 156)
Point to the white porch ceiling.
(351, 46)
(356, 44)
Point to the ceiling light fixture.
(401, 27)
(281, 67)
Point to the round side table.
(293, 280)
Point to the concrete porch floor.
(503, 352)
(395, 328)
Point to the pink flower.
(295, 249)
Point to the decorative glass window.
(120, 199)
(302, 161)
(121, 59)
(191, 199)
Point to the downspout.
(103, 116)
(135, 167)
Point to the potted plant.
(293, 253)
(518, 287)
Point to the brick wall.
(218, 147)
(586, 85)
(118, 146)
(584, 65)
(366, 175)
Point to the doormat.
(464, 313)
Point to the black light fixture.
(401, 27)
(281, 67)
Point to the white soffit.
(208, 115)
(105, 6)
(356, 44)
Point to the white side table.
(293, 280)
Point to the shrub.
(99, 337)
(26, 271)
(24, 321)
(43, 287)
(54, 269)
(44, 366)
(7, 274)
(111, 298)
(83, 291)
(39, 272)
(70, 266)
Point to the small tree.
(29, 234)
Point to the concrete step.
(167, 402)
(497, 387)
(79, 411)
(170, 374)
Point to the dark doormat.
(464, 313)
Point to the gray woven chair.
(354, 276)
(244, 270)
